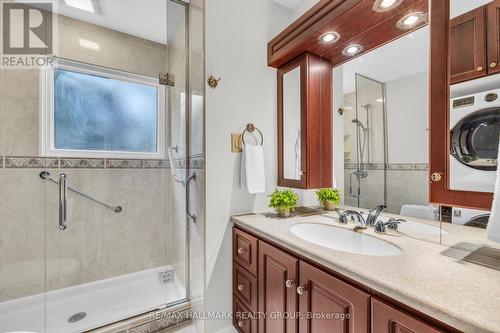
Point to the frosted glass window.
(96, 113)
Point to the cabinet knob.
(480, 68)
(436, 177)
(289, 283)
(493, 65)
(240, 324)
(241, 287)
(301, 290)
(241, 250)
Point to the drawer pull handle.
(240, 324)
(301, 290)
(289, 283)
(241, 250)
(480, 68)
(241, 287)
(493, 65)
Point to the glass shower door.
(369, 125)
(113, 115)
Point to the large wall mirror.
(416, 108)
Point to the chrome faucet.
(361, 223)
(371, 220)
(392, 224)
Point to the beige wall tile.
(21, 127)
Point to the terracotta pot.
(284, 212)
(329, 205)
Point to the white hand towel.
(494, 222)
(253, 176)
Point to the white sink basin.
(344, 240)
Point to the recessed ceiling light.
(352, 49)
(380, 100)
(329, 37)
(385, 5)
(411, 20)
(91, 6)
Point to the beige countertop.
(428, 276)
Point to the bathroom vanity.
(284, 283)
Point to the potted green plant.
(329, 198)
(283, 201)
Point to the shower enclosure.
(365, 144)
(95, 155)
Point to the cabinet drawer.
(245, 250)
(386, 319)
(243, 319)
(245, 287)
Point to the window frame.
(47, 111)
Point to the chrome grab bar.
(63, 222)
(63, 187)
(188, 192)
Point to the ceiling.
(145, 19)
(406, 56)
(290, 4)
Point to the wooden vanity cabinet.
(287, 294)
(475, 43)
(305, 123)
(468, 46)
(387, 319)
(336, 306)
(493, 29)
(278, 274)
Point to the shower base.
(88, 306)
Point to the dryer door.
(474, 139)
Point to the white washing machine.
(474, 134)
(470, 217)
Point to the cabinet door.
(329, 305)
(386, 319)
(277, 295)
(467, 46)
(245, 250)
(305, 123)
(493, 29)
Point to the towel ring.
(250, 129)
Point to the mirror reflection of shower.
(362, 134)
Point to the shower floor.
(104, 302)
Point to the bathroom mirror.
(385, 117)
(292, 125)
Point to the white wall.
(302, 7)
(407, 119)
(237, 32)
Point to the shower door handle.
(188, 195)
(62, 202)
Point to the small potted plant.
(329, 198)
(283, 201)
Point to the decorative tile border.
(82, 163)
(30, 163)
(391, 167)
(124, 164)
(197, 162)
(156, 164)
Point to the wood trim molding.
(439, 121)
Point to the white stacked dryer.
(474, 134)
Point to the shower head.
(359, 123)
